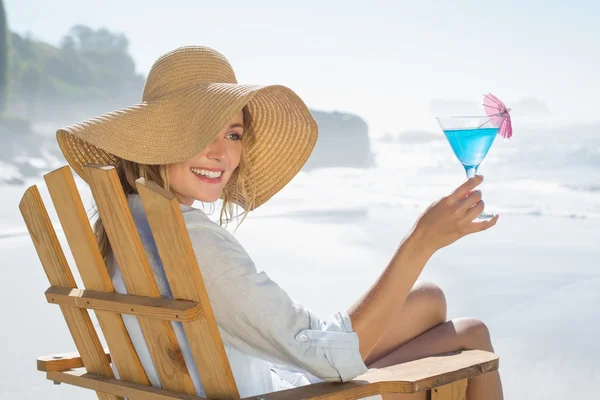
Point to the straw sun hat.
(190, 94)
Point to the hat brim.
(180, 125)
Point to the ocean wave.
(541, 212)
(401, 189)
(9, 234)
(592, 188)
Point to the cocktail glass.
(470, 139)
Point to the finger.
(475, 210)
(483, 225)
(466, 187)
(470, 199)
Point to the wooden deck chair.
(445, 376)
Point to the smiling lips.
(208, 174)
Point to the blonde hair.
(238, 187)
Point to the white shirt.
(271, 342)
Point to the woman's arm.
(370, 314)
(444, 222)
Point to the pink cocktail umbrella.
(500, 115)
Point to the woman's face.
(203, 177)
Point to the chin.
(207, 199)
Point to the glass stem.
(471, 171)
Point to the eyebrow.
(236, 125)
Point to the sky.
(391, 62)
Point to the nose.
(217, 150)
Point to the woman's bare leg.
(458, 334)
(424, 308)
(419, 330)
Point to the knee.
(431, 300)
(474, 334)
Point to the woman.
(205, 137)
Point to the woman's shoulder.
(195, 218)
(214, 245)
(194, 214)
(199, 225)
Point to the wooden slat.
(132, 391)
(137, 274)
(63, 361)
(153, 307)
(453, 391)
(92, 269)
(437, 370)
(185, 279)
(57, 270)
(411, 377)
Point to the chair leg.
(453, 391)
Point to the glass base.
(484, 216)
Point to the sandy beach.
(533, 280)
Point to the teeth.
(204, 172)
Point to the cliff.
(343, 142)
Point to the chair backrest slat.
(92, 270)
(137, 275)
(57, 270)
(185, 279)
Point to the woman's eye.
(234, 136)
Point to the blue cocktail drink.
(470, 139)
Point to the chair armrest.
(63, 361)
(410, 377)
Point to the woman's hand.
(451, 218)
